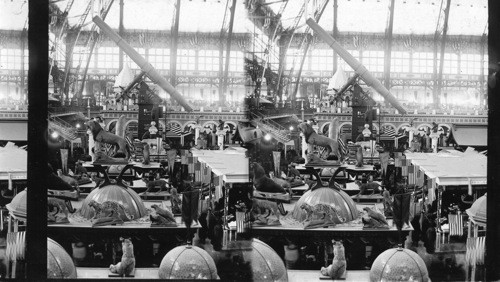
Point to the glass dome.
(17, 205)
(187, 262)
(327, 195)
(478, 210)
(399, 264)
(250, 260)
(125, 196)
(59, 262)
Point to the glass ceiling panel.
(467, 17)
(196, 15)
(416, 17)
(13, 14)
(362, 16)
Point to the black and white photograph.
(249, 140)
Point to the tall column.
(437, 93)
(388, 47)
(174, 43)
(222, 97)
(121, 32)
(335, 33)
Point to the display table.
(314, 275)
(152, 273)
(336, 231)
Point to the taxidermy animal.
(263, 183)
(283, 183)
(313, 138)
(127, 265)
(160, 216)
(110, 209)
(175, 201)
(359, 157)
(68, 179)
(365, 187)
(263, 205)
(374, 219)
(338, 267)
(387, 203)
(57, 211)
(145, 154)
(329, 212)
(109, 138)
(155, 183)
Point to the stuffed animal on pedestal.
(161, 217)
(102, 136)
(283, 183)
(151, 184)
(387, 203)
(359, 157)
(312, 138)
(263, 183)
(320, 215)
(372, 218)
(126, 267)
(145, 153)
(57, 211)
(175, 201)
(109, 212)
(259, 207)
(337, 269)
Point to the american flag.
(343, 148)
(390, 133)
(176, 129)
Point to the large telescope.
(143, 64)
(356, 66)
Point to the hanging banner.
(277, 159)
(64, 161)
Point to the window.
(186, 59)
(236, 62)
(294, 58)
(374, 60)
(470, 64)
(450, 63)
(400, 61)
(423, 62)
(108, 58)
(159, 58)
(208, 60)
(80, 55)
(132, 64)
(322, 60)
(10, 59)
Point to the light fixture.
(291, 128)
(54, 134)
(267, 137)
(78, 125)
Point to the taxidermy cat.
(338, 267)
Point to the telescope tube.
(143, 64)
(356, 66)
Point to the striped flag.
(343, 147)
(176, 129)
(243, 223)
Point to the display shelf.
(152, 273)
(14, 175)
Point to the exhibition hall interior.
(252, 140)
